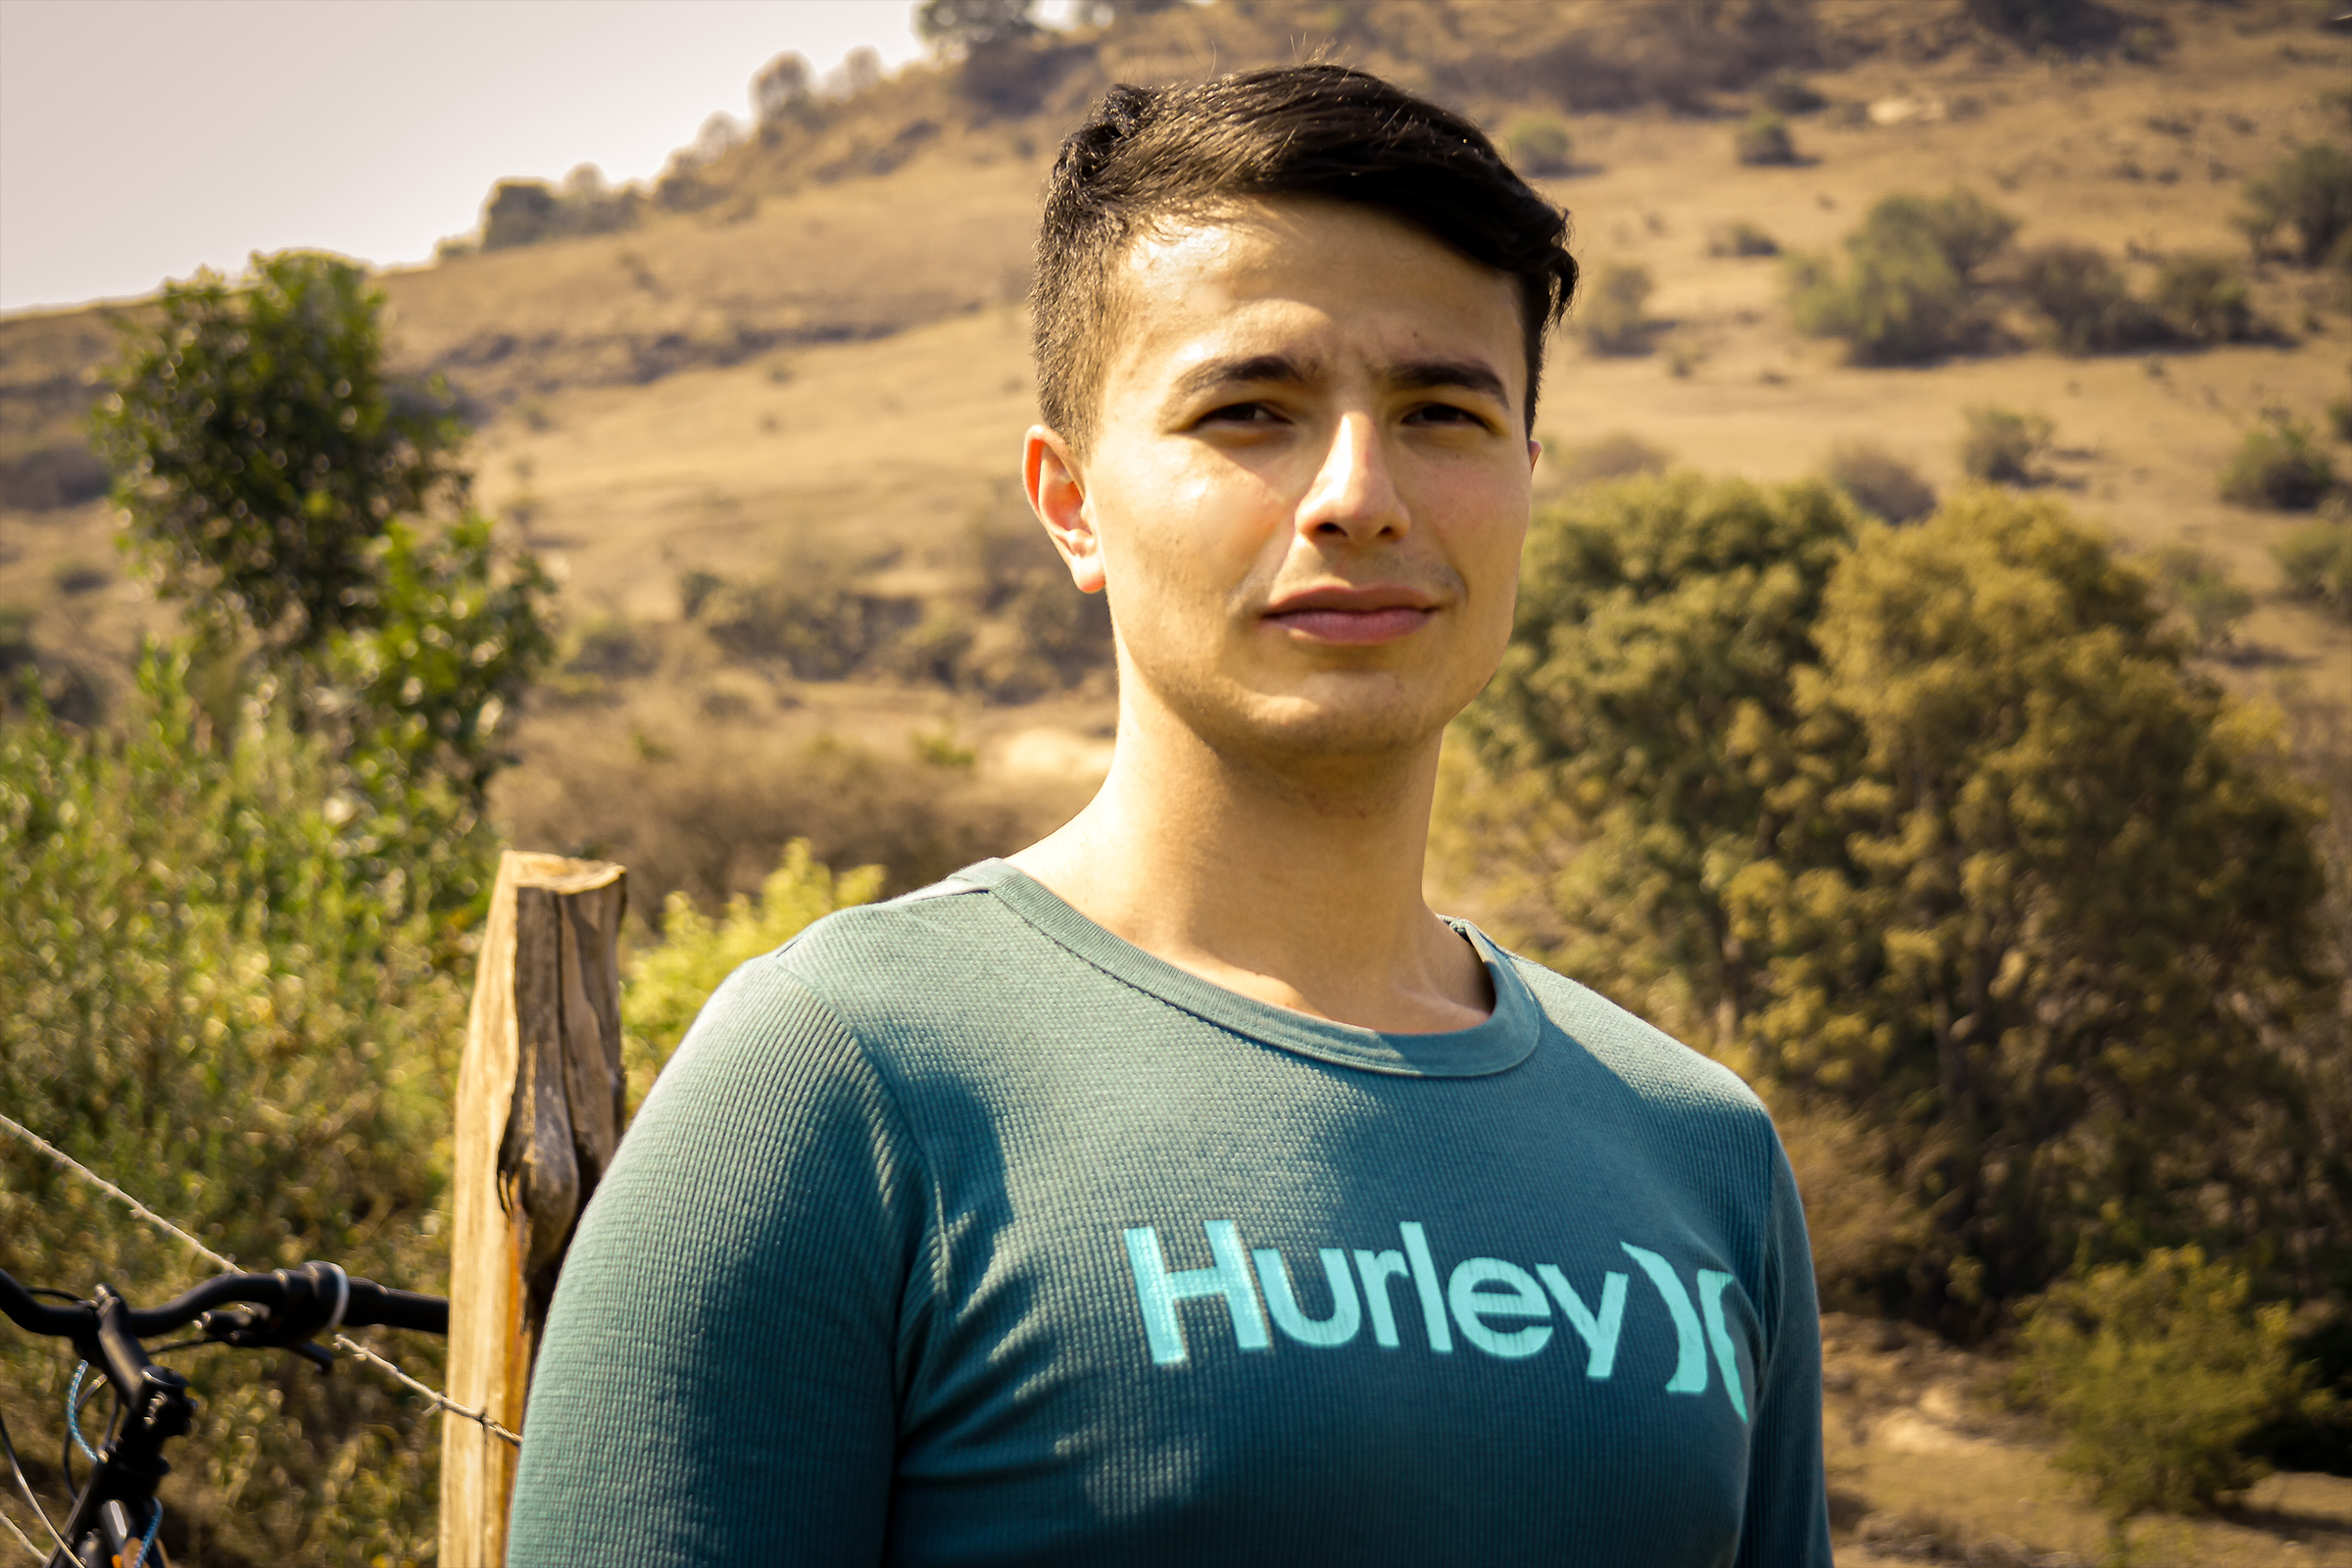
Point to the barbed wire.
(343, 1342)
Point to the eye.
(1445, 413)
(1240, 414)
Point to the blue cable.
(154, 1522)
(74, 1413)
(155, 1519)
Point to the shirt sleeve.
(718, 1380)
(1788, 1523)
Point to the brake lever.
(247, 1329)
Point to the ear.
(1056, 488)
(1535, 451)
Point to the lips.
(1378, 613)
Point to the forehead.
(1308, 277)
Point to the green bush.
(1915, 824)
(1541, 145)
(212, 1002)
(1612, 313)
(2277, 467)
(2316, 559)
(668, 982)
(2084, 300)
(260, 445)
(1879, 482)
(2202, 590)
(1907, 291)
(2158, 1372)
(2003, 446)
(2339, 419)
(2307, 193)
(2205, 297)
(1764, 139)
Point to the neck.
(1296, 882)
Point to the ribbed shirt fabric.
(961, 1232)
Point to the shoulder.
(1648, 1061)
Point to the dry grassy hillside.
(795, 391)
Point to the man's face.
(1310, 479)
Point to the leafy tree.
(2072, 897)
(2279, 467)
(1879, 482)
(782, 85)
(208, 1004)
(1613, 314)
(973, 24)
(1929, 826)
(2202, 590)
(2003, 446)
(1764, 139)
(1648, 694)
(2317, 560)
(2159, 1372)
(261, 448)
(1906, 293)
(2309, 192)
(2085, 300)
(2205, 298)
(286, 486)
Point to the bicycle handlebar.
(367, 1303)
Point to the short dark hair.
(1150, 154)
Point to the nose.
(1353, 495)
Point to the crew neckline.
(1504, 1039)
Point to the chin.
(1304, 727)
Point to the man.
(1182, 1190)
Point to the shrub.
(2158, 1372)
(211, 1003)
(2205, 298)
(1740, 238)
(2202, 590)
(1541, 145)
(1612, 315)
(812, 615)
(2001, 446)
(1764, 139)
(1614, 454)
(51, 477)
(2339, 419)
(2317, 560)
(1879, 482)
(2309, 192)
(1800, 787)
(2277, 467)
(1790, 94)
(1907, 291)
(2084, 299)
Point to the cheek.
(1190, 524)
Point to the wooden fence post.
(541, 1098)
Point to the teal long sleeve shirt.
(962, 1233)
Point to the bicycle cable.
(24, 1485)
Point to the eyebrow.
(1283, 370)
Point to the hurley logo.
(1494, 1306)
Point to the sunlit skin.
(1305, 495)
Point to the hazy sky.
(140, 139)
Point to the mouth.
(1355, 616)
